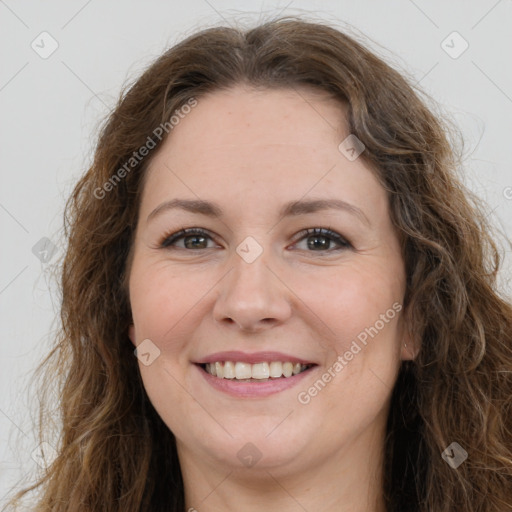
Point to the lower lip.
(253, 389)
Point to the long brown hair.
(114, 453)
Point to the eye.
(320, 239)
(194, 238)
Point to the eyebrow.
(292, 208)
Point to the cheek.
(161, 301)
(169, 397)
(161, 298)
(354, 297)
(362, 306)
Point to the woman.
(274, 226)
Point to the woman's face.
(254, 294)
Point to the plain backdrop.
(63, 66)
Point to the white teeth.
(229, 370)
(287, 369)
(243, 370)
(276, 369)
(259, 371)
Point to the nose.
(252, 296)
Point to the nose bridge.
(251, 295)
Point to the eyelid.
(342, 242)
(170, 237)
(173, 236)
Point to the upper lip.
(252, 358)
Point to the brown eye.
(194, 239)
(321, 239)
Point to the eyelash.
(169, 238)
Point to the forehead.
(247, 116)
(259, 144)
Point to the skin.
(251, 151)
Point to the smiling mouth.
(259, 372)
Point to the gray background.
(51, 108)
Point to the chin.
(253, 446)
